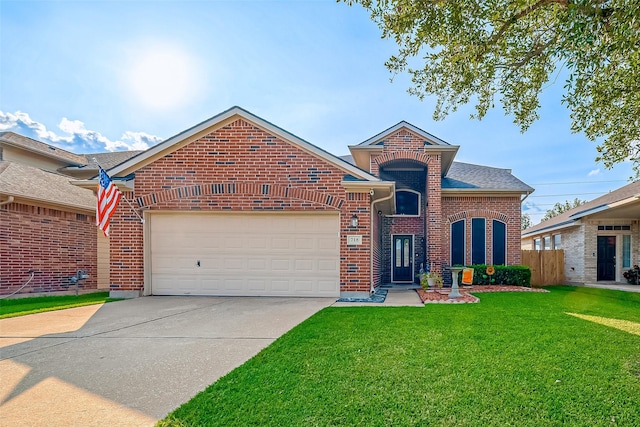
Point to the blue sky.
(100, 75)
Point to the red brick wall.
(53, 243)
(434, 213)
(239, 167)
(377, 249)
(505, 209)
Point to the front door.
(402, 269)
(606, 258)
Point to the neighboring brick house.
(47, 225)
(237, 206)
(600, 239)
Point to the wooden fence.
(547, 267)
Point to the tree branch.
(521, 14)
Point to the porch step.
(406, 286)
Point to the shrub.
(518, 275)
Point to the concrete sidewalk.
(129, 363)
(613, 286)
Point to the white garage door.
(274, 254)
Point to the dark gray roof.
(348, 158)
(48, 150)
(32, 183)
(600, 203)
(466, 176)
(109, 160)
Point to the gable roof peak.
(221, 119)
(374, 140)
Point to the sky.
(99, 75)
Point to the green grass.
(23, 306)
(514, 359)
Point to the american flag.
(108, 198)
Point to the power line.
(570, 194)
(578, 182)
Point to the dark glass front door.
(606, 258)
(402, 258)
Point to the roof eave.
(30, 200)
(483, 191)
(602, 208)
(448, 153)
(553, 227)
(426, 135)
(41, 153)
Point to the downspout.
(6, 202)
(372, 289)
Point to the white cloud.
(594, 172)
(136, 141)
(76, 137)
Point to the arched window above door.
(407, 202)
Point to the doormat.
(378, 297)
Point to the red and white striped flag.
(108, 198)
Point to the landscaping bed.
(441, 296)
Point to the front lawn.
(514, 359)
(31, 305)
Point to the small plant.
(430, 279)
(632, 275)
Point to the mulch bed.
(441, 296)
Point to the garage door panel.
(167, 285)
(244, 254)
(281, 265)
(325, 285)
(280, 243)
(233, 264)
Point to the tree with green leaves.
(465, 51)
(559, 208)
(525, 221)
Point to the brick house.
(238, 206)
(47, 225)
(600, 239)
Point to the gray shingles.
(28, 182)
(467, 176)
(42, 148)
(109, 160)
(622, 193)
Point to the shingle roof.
(467, 176)
(106, 160)
(348, 158)
(570, 216)
(15, 139)
(109, 160)
(31, 183)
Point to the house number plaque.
(354, 240)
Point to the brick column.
(434, 213)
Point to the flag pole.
(125, 199)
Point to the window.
(499, 243)
(626, 251)
(557, 241)
(407, 202)
(478, 240)
(536, 244)
(457, 243)
(614, 227)
(547, 243)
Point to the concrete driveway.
(129, 363)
